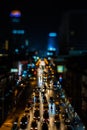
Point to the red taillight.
(35, 72)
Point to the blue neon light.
(16, 50)
(49, 53)
(52, 34)
(15, 13)
(18, 31)
(52, 49)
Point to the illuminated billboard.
(60, 68)
(14, 70)
(52, 34)
(15, 13)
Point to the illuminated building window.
(16, 50)
(52, 34)
(18, 31)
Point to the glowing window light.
(49, 53)
(18, 31)
(16, 50)
(52, 49)
(49, 58)
(52, 34)
(15, 13)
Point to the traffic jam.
(48, 107)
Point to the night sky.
(39, 17)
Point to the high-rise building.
(52, 46)
(17, 33)
(73, 31)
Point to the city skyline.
(39, 18)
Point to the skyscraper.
(73, 31)
(52, 44)
(17, 33)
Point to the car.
(58, 110)
(67, 121)
(36, 94)
(36, 115)
(44, 87)
(44, 79)
(46, 116)
(33, 77)
(44, 126)
(42, 93)
(37, 105)
(36, 89)
(27, 110)
(51, 100)
(24, 122)
(44, 99)
(45, 106)
(76, 121)
(34, 125)
(29, 105)
(57, 120)
(70, 127)
(15, 124)
(30, 101)
(38, 100)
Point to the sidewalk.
(7, 125)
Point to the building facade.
(73, 30)
(76, 84)
(17, 34)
